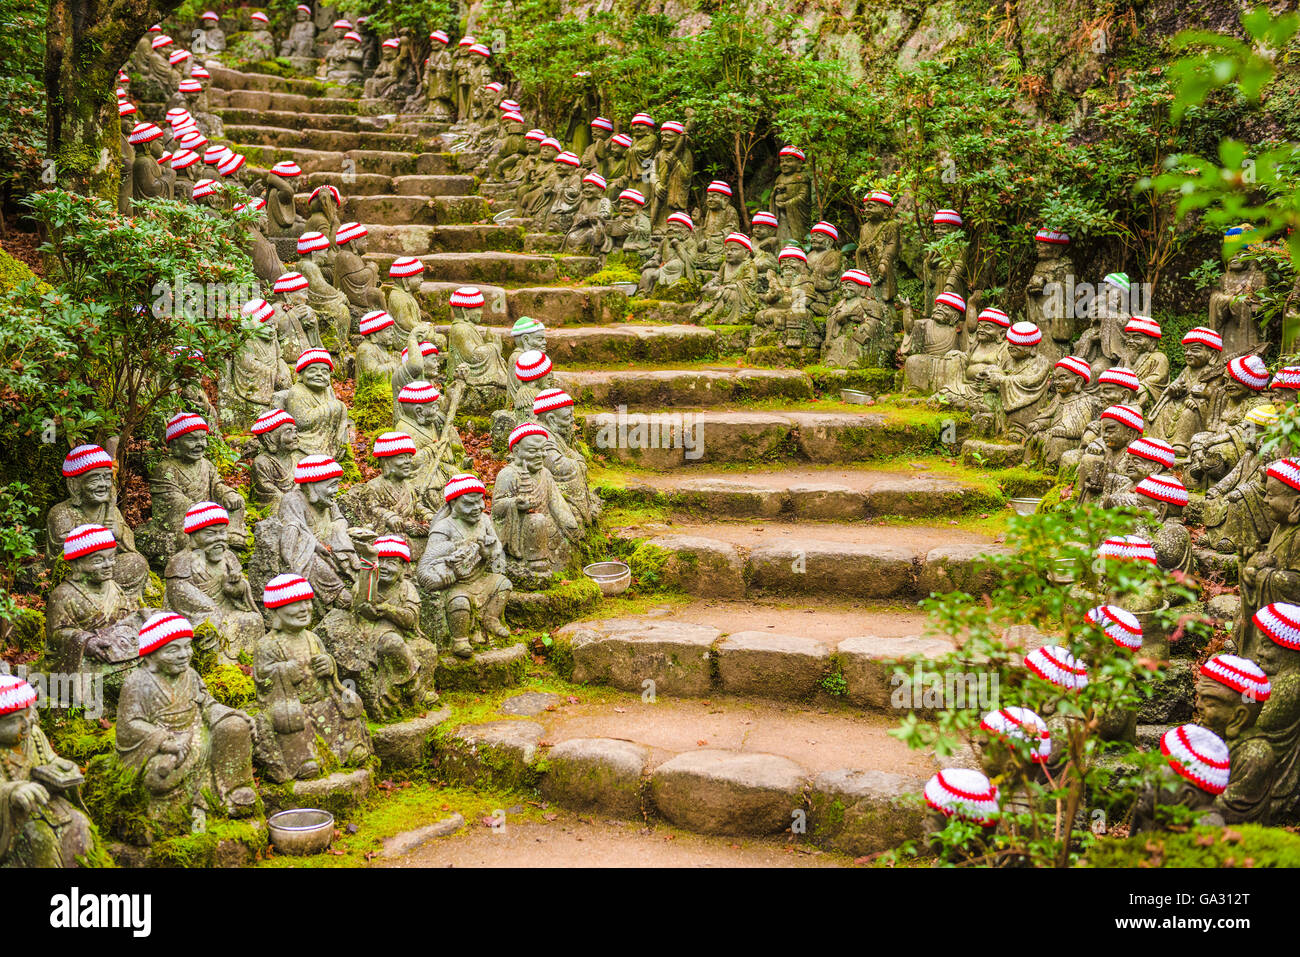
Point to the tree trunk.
(86, 43)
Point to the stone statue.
(536, 193)
(674, 260)
(378, 643)
(787, 320)
(257, 371)
(792, 196)
(674, 165)
(1195, 774)
(587, 231)
(383, 81)
(859, 333)
(272, 473)
(439, 90)
(1230, 694)
(1163, 498)
(762, 231)
(641, 154)
(1102, 343)
(259, 44)
(214, 38)
(474, 354)
(1235, 301)
(1215, 451)
(1234, 513)
(616, 171)
(314, 538)
(1273, 573)
(553, 410)
(421, 414)
(877, 252)
(463, 566)
(343, 60)
(376, 360)
(301, 41)
(147, 178)
(88, 472)
(946, 264)
(181, 478)
(406, 273)
(565, 195)
(328, 303)
(418, 361)
(629, 229)
(1142, 354)
(933, 346)
(1060, 425)
(505, 165)
(1102, 468)
(970, 391)
(321, 418)
(1276, 653)
(825, 265)
(357, 279)
(392, 503)
(1019, 385)
(1183, 408)
(40, 826)
(281, 202)
(536, 526)
(306, 711)
(1045, 295)
(188, 748)
(720, 221)
(729, 296)
(266, 259)
(528, 335)
(323, 216)
(595, 156)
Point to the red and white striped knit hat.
(764, 218)
(313, 355)
(144, 133)
(270, 420)
(316, 468)
(1163, 488)
(125, 108)
(440, 36)
(184, 159)
(353, 36)
(565, 158)
(327, 188)
(553, 143)
(426, 349)
(1153, 450)
(1239, 674)
(949, 217)
(392, 546)
(1125, 414)
(1052, 236)
(995, 316)
(643, 119)
(481, 49)
(1057, 666)
(1281, 622)
(621, 139)
(15, 694)
(1024, 334)
(204, 187)
(793, 151)
(672, 126)
(165, 158)
(601, 123)
(189, 85)
(160, 41)
(287, 168)
(963, 793)
(1286, 471)
(312, 241)
(342, 25)
(1118, 375)
(538, 135)
(1076, 365)
(595, 179)
(718, 186)
(740, 239)
(1020, 724)
(231, 164)
(548, 400)
(348, 232)
(467, 41)
(285, 590)
(952, 300)
(826, 229)
(392, 43)
(1143, 324)
(1199, 755)
(879, 196)
(1250, 371)
(259, 16)
(532, 365)
(1206, 337)
(164, 627)
(85, 458)
(857, 277)
(290, 282)
(682, 220)
(393, 443)
(418, 393)
(466, 297)
(202, 514)
(1122, 627)
(215, 155)
(463, 484)
(1127, 548)
(256, 204)
(200, 72)
(184, 422)
(178, 56)
(193, 140)
(372, 322)
(86, 540)
(792, 252)
(634, 195)
(512, 116)
(523, 431)
(404, 266)
(1288, 377)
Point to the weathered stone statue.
(933, 346)
(301, 41)
(528, 335)
(323, 216)
(1215, 451)
(1102, 466)
(1142, 354)
(418, 361)
(259, 44)
(730, 294)
(787, 319)
(859, 334)
(1234, 514)
(505, 165)
(1017, 749)
(1235, 301)
(39, 825)
(378, 643)
(1230, 693)
(1184, 406)
(392, 503)
(357, 279)
(1059, 426)
(474, 355)
(315, 541)
(537, 193)
(674, 260)
(826, 265)
(1195, 775)
(1273, 573)
(762, 230)
(792, 196)
(720, 221)
(147, 178)
(553, 410)
(1278, 655)
(343, 60)
(641, 154)
(439, 88)
(422, 414)
(88, 472)
(536, 525)
(189, 748)
(464, 565)
(1018, 386)
(1163, 498)
(1045, 295)
(214, 38)
(877, 251)
(383, 81)
(321, 418)
(206, 583)
(674, 165)
(587, 231)
(565, 195)
(257, 371)
(272, 472)
(306, 711)
(1102, 343)
(616, 172)
(266, 260)
(315, 262)
(281, 204)
(181, 478)
(376, 360)
(987, 350)
(946, 265)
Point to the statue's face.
(425, 413)
(987, 331)
(559, 422)
(471, 315)
(189, 447)
(1065, 382)
(735, 253)
(94, 487)
(211, 540)
(762, 232)
(1221, 709)
(714, 201)
(1139, 342)
(391, 569)
(678, 231)
(1115, 435)
(15, 726)
(590, 191)
(1275, 659)
(1112, 393)
(1048, 251)
(360, 245)
(1137, 468)
(97, 567)
(294, 616)
(531, 147)
(820, 242)
(668, 139)
(533, 340)
(851, 290)
(617, 150)
(174, 657)
(789, 164)
(550, 154)
(302, 16)
(399, 466)
(468, 507)
(1280, 499)
(945, 315)
(1020, 353)
(876, 211)
(322, 493)
(528, 452)
(1235, 389)
(942, 229)
(600, 134)
(286, 437)
(789, 270)
(316, 376)
(384, 337)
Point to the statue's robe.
(321, 418)
(197, 591)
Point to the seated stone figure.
(1142, 354)
(384, 80)
(281, 200)
(376, 358)
(296, 322)
(859, 328)
(1113, 386)
(1234, 513)
(181, 478)
(1216, 450)
(378, 643)
(40, 826)
(464, 567)
(315, 262)
(1101, 464)
(586, 232)
(259, 44)
(1142, 459)
(1271, 574)
(306, 711)
(272, 472)
(88, 473)
(674, 260)
(1184, 407)
(314, 537)
(257, 371)
(565, 195)
(537, 192)
(391, 503)
(720, 221)
(787, 319)
(418, 362)
(1059, 426)
(206, 583)
(987, 351)
(474, 354)
(301, 41)
(629, 228)
(189, 748)
(536, 525)
(825, 265)
(729, 296)
(322, 419)
(1230, 694)
(357, 279)
(932, 347)
(553, 410)
(1019, 387)
(1163, 498)
(528, 335)
(422, 414)
(1277, 653)
(533, 375)
(343, 60)
(1196, 772)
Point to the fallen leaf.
(620, 710)
(701, 742)
(573, 700)
(1230, 836)
(550, 816)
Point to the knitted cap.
(566, 158)
(316, 468)
(286, 168)
(1239, 674)
(348, 232)
(1052, 236)
(879, 196)
(949, 216)
(203, 514)
(1076, 365)
(718, 186)
(523, 431)
(285, 590)
(1264, 416)
(85, 540)
(313, 355)
(463, 484)
(392, 43)
(190, 85)
(740, 239)
(85, 458)
(963, 793)
(1125, 414)
(792, 252)
(1024, 334)
(951, 299)
(1127, 548)
(426, 349)
(270, 420)
(548, 400)
(1286, 471)
(1119, 280)
(144, 133)
(1288, 377)
(440, 36)
(312, 241)
(393, 443)
(532, 365)
(1118, 375)
(672, 126)
(1199, 755)
(763, 218)
(1250, 371)
(538, 135)
(1280, 621)
(183, 422)
(467, 297)
(332, 190)
(525, 325)
(826, 229)
(291, 282)
(995, 316)
(1153, 450)
(595, 179)
(404, 266)
(372, 322)
(418, 393)
(621, 139)
(162, 628)
(643, 119)
(857, 277)
(1122, 627)
(1020, 724)
(682, 219)
(793, 151)
(634, 195)
(204, 187)
(15, 694)
(392, 546)
(1143, 324)
(1057, 666)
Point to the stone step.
(552, 305)
(224, 78)
(802, 494)
(376, 184)
(674, 439)
(274, 101)
(330, 140)
(498, 268)
(573, 345)
(727, 766)
(357, 161)
(676, 388)
(864, 561)
(415, 240)
(415, 210)
(303, 120)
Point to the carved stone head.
(529, 453)
(293, 617)
(94, 487)
(189, 447)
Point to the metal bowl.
(301, 831)
(612, 577)
(1025, 506)
(855, 396)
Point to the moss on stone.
(229, 685)
(372, 406)
(560, 604)
(74, 736)
(1242, 845)
(14, 271)
(223, 842)
(649, 565)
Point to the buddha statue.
(417, 362)
(878, 245)
(439, 91)
(729, 296)
(565, 193)
(321, 418)
(859, 334)
(719, 222)
(407, 274)
(88, 473)
(1235, 302)
(1185, 405)
(674, 166)
(376, 358)
(1277, 652)
(327, 302)
(970, 391)
(674, 260)
(422, 414)
(474, 354)
(357, 279)
(1101, 467)
(617, 175)
(587, 231)
(281, 201)
(786, 318)
(272, 473)
(306, 711)
(1230, 694)
(206, 584)
(258, 44)
(296, 323)
(1215, 451)
(553, 411)
(641, 154)
(315, 542)
(257, 371)
(301, 41)
(1271, 574)
(762, 232)
(535, 524)
(1059, 426)
(1194, 775)
(932, 349)
(392, 503)
(792, 196)
(538, 192)
(343, 60)
(946, 263)
(528, 335)
(1234, 513)
(1142, 354)
(1045, 294)
(825, 265)
(380, 84)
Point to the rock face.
(596, 774)
(729, 792)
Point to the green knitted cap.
(526, 324)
